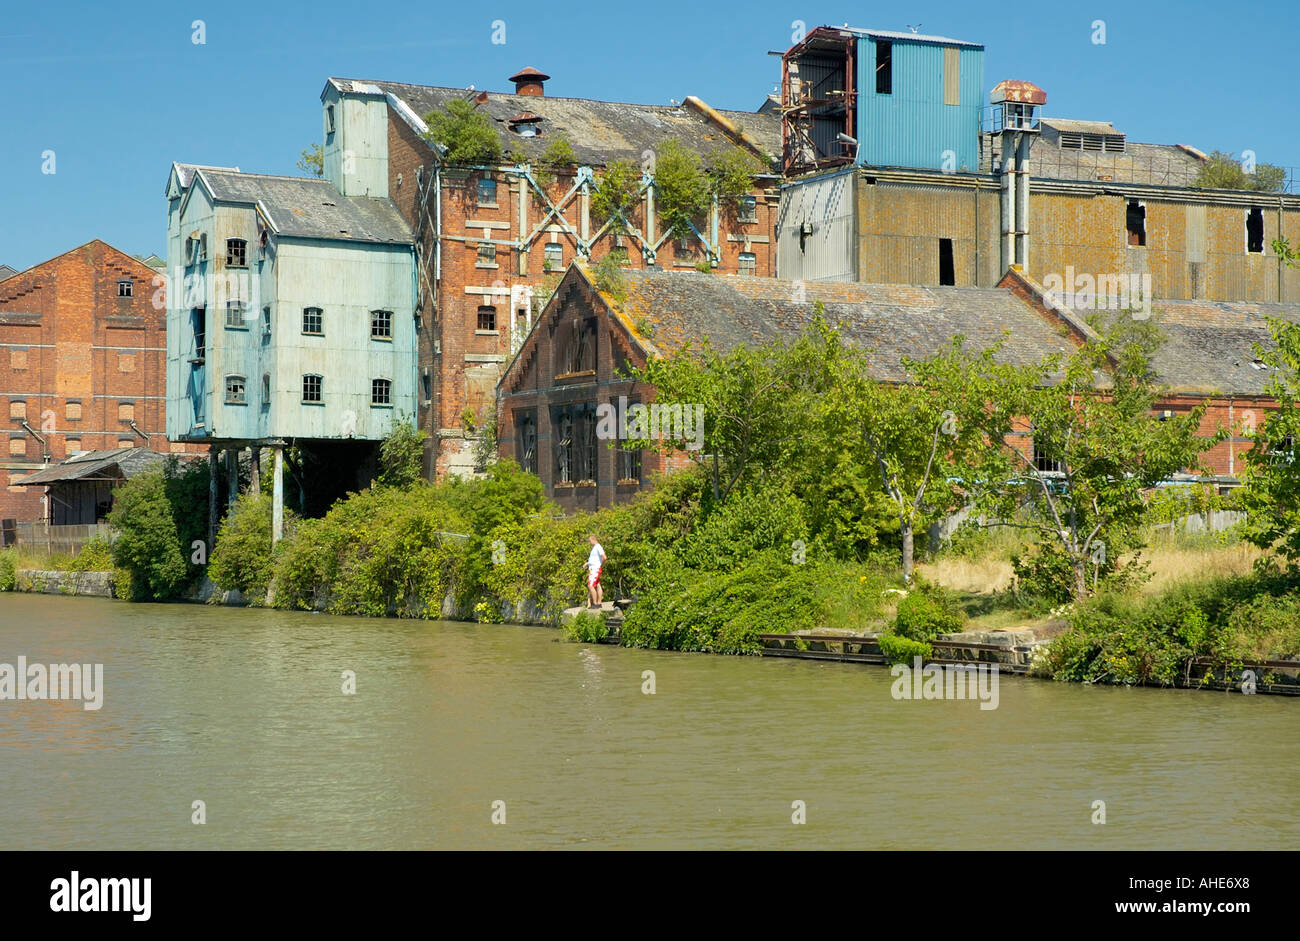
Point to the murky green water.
(244, 710)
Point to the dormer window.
(527, 124)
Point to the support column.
(1022, 203)
(255, 469)
(1008, 248)
(214, 468)
(277, 495)
(648, 252)
(232, 478)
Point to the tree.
(1094, 452)
(401, 456)
(464, 133)
(615, 193)
(929, 438)
(147, 545)
(242, 558)
(731, 173)
(1272, 479)
(312, 161)
(682, 189)
(1224, 171)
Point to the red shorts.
(593, 577)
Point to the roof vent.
(529, 81)
(526, 124)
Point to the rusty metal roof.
(114, 464)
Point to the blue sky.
(118, 91)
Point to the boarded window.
(18, 359)
(126, 442)
(125, 362)
(951, 76)
(1255, 230)
(71, 445)
(748, 263)
(126, 411)
(17, 447)
(72, 411)
(18, 410)
(381, 392)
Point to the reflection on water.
(243, 709)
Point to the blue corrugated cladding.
(912, 127)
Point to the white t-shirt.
(596, 559)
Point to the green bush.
(924, 614)
(539, 561)
(751, 521)
(903, 649)
(95, 556)
(586, 628)
(242, 558)
(8, 566)
(147, 542)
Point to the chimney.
(529, 81)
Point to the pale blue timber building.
(290, 313)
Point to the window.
(235, 316)
(266, 390)
(487, 320)
(71, 445)
(126, 442)
(18, 410)
(312, 388)
(235, 391)
(266, 321)
(126, 411)
(748, 263)
(884, 68)
(313, 321)
(72, 411)
(329, 119)
(574, 431)
(685, 247)
(17, 446)
(1255, 230)
(487, 255)
(747, 209)
(487, 192)
(951, 75)
(947, 275)
(579, 352)
(426, 384)
(1135, 220)
(526, 440)
(199, 323)
(381, 324)
(125, 288)
(554, 256)
(381, 392)
(629, 465)
(1044, 462)
(236, 253)
(203, 247)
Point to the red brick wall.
(66, 338)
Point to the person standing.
(595, 562)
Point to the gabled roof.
(600, 131)
(6, 271)
(308, 207)
(113, 464)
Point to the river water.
(244, 710)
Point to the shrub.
(586, 628)
(465, 132)
(401, 456)
(242, 558)
(8, 567)
(607, 275)
(95, 556)
(615, 194)
(924, 614)
(901, 649)
(147, 543)
(750, 521)
(538, 560)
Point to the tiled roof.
(307, 207)
(600, 131)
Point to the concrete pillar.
(277, 495)
(1022, 203)
(1008, 203)
(586, 215)
(255, 469)
(232, 477)
(214, 468)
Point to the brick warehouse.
(81, 365)
(575, 359)
(492, 241)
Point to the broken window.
(235, 391)
(554, 256)
(884, 68)
(381, 324)
(1135, 220)
(329, 119)
(266, 390)
(526, 440)
(236, 253)
(125, 287)
(575, 449)
(747, 209)
(487, 192)
(1044, 462)
(1255, 230)
(579, 353)
(487, 319)
(487, 255)
(381, 392)
(235, 315)
(748, 263)
(313, 388)
(199, 322)
(947, 273)
(266, 321)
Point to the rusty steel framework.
(809, 109)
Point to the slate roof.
(6, 271)
(600, 131)
(309, 207)
(681, 307)
(113, 463)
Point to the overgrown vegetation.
(1226, 172)
(615, 194)
(464, 135)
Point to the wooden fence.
(65, 540)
